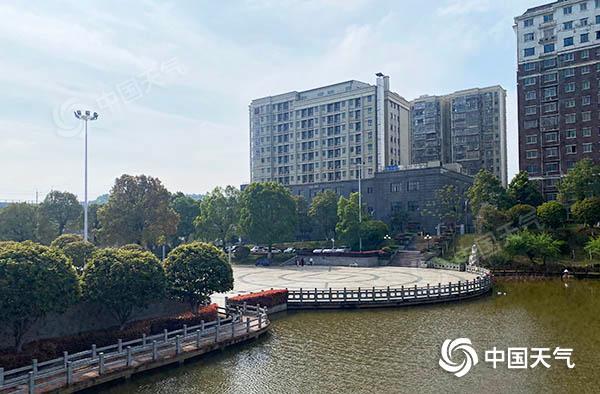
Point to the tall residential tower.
(326, 134)
(558, 74)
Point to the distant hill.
(102, 199)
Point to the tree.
(587, 211)
(593, 247)
(60, 209)
(74, 247)
(219, 215)
(35, 280)
(524, 191)
(18, 222)
(195, 271)
(448, 205)
(373, 233)
(304, 222)
(122, 280)
(267, 213)
(489, 219)
(348, 227)
(519, 214)
(323, 212)
(552, 214)
(188, 209)
(581, 181)
(398, 221)
(526, 243)
(137, 211)
(487, 189)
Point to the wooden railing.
(64, 371)
(374, 296)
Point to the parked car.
(258, 250)
(343, 249)
(317, 251)
(274, 250)
(289, 250)
(328, 251)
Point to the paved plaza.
(248, 279)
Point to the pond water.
(397, 350)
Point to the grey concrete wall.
(343, 261)
(87, 317)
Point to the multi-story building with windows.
(327, 134)
(466, 127)
(558, 75)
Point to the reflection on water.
(397, 350)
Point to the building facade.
(558, 74)
(329, 133)
(410, 190)
(466, 127)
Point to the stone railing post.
(359, 294)
(65, 358)
(388, 293)
(177, 344)
(459, 289)
(143, 339)
(373, 293)
(93, 351)
(316, 295)
(129, 356)
(247, 326)
(439, 290)
(217, 332)
(449, 288)
(1, 377)
(259, 321)
(154, 351)
(198, 338)
(330, 295)
(184, 330)
(31, 383)
(165, 335)
(301, 295)
(202, 327)
(69, 373)
(34, 366)
(428, 294)
(416, 291)
(101, 363)
(344, 294)
(120, 345)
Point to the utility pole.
(85, 117)
(360, 170)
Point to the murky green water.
(397, 350)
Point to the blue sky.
(172, 81)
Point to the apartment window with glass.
(548, 18)
(529, 67)
(528, 37)
(551, 137)
(586, 100)
(528, 22)
(530, 81)
(568, 25)
(584, 38)
(550, 63)
(568, 57)
(531, 110)
(550, 92)
(531, 154)
(571, 149)
(597, 3)
(567, 10)
(585, 70)
(530, 95)
(529, 52)
(583, 21)
(568, 41)
(570, 118)
(530, 124)
(587, 148)
(551, 152)
(598, 33)
(585, 54)
(571, 133)
(586, 116)
(550, 107)
(570, 103)
(570, 87)
(549, 48)
(531, 139)
(586, 131)
(568, 72)
(551, 167)
(549, 77)
(583, 6)
(597, 18)
(585, 85)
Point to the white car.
(289, 250)
(328, 251)
(318, 251)
(342, 250)
(274, 250)
(258, 249)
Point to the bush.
(552, 214)
(48, 349)
(587, 211)
(132, 247)
(241, 252)
(61, 241)
(268, 298)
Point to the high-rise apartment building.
(466, 127)
(558, 74)
(326, 134)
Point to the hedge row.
(47, 349)
(268, 298)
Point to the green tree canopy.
(522, 190)
(487, 189)
(61, 209)
(489, 219)
(18, 222)
(587, 211)
(519, 213)
(304, 222)
(219, 215)
(526, 243)
(122, 280)
(62, 240)
(581, 181)
(34, 280)
(593, 247)
(267, 213)
(448, 205)
(195, 271)
(188, 209)
(373, 233)
(552, 214)
(348, 228)
(323, 212)
(138, 211)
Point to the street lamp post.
(360, 170)
(86, 116)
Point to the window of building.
(529, 67)
(586, 116)
(585, 54)
(412, 206)
(549, 48)
(570, 103)
(598, 32)
(570, 118)
(568, 25)
(568, 41)
(531, 139)
(529, 52)
(413, 186)
(550, 63)
(550, 92)
(552, 77)
(529, 81)
(530, 124)
(551, 152)
(551, 137)
(528, 37)
(568, 57)
(568, 72)
(571, 149)
(586, 100)
(395, 187)
(571, 133)
(531, 110)
(531, 154)
(530, 95)
(551, 168)
(587, 148)
(585, 70)
(586, 131)
(585, 37)
(583, 21)
(597, 3)
(550, 107)
(528, 22)
(585, 85)
(548, 18)
(567, 10)
(583, 6)
(570, 87)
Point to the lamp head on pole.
(87, 115)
